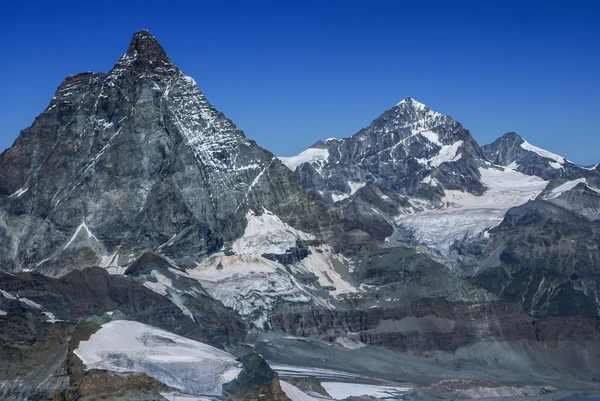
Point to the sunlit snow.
(189, 366)
(466, 215)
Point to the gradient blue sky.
(291, 73)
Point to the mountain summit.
(136, 161)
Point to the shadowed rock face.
(257, 381)
(545, 254)
(92, 292)
(120, 163)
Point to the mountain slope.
(135, 167)
(513, 151)
(122, 163)
(414, 176)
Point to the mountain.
(413, 176)
(511, 150)
(150, 248)
(137, 160)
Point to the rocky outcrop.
(93, 291)
(102, 385)
(544, 255)
(256, 382)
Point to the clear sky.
(290, 73)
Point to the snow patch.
(3, 313)
(8, 295)
(30, 303)
(341, 390)
(82, 226)
(556, 165)
(558, 191)
(51, 317)
(267, 234)
(350, 344)
(294, 393)
(319, 262)
(18, 193)
(337, 198)
(310, 155)
(541, 152)
(355, 186)
(187, 365)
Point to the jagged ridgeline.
(147, 246)
(133, 161)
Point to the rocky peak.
(511, 137)
(144, 53)
(511, 150)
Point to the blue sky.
(291, 73)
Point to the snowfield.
(466, 215)
(189, 366)
(340, 390)
(310, 155)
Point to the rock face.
(545, 254)
(102, 384)
(257, 381)
(123, 163)
(512, 150)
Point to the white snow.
(18, 193)
(416, 104)
(319, 262)
(186, 397)
(340, 197)
(82, 226)
(111, 264)
(294, 393)
(431, 137)
(355, 186)
(544, 153)
(246, 283)
(267, 234)
(3, 313)
(51, 317)
(448, 153)
(310, 155)
(431, 181)
(7, 294)
(30, 303)
(556, 192)
(303, 371)
(467, 215)
(556, 165)
(189, 366)
(164, 287)
(341, 390)
(349, 343)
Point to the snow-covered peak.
(410, 102)
(541, 152)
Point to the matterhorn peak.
(144, 52)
